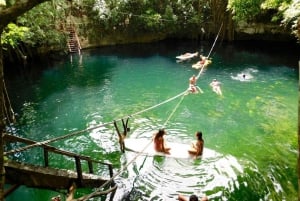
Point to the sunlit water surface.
(250, 132)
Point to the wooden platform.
(48, 178)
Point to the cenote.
(251, 129)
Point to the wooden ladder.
(73, 40)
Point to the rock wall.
(262, 31)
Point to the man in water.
(193, 86)
(216, 86)
(191, 198)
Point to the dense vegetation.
(45, 24)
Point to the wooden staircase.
(73, 40)
(47, 177)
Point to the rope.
(9, 104)
(132, 160)
(88, 129)
(210, 50)
(166, 101)
(141, 152)
(174, 110)
(118, 173)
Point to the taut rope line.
(88, 129)
(174, 110)
(211, 50)
(166, 101)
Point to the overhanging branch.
(11, 13)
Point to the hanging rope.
(10, 114)
(210, 50)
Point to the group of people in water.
(196, 148)
(204, 61)
(193, 88)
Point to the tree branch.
(10, 14)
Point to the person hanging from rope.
(193, 88)
(216, 86)
(122, 135)
(159, 142)
(204, 61)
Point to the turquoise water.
(250, 132)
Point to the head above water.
(199, 135)
(193, 198)
(161, 132)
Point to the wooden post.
(46, 157)
(79, 171)
(90, 163)
(111, 173)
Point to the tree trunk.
(2, 127)
(299, 135)
(8, 15)
(220, 15)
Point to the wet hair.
(193, 198)
(199, 135)
(160, 133)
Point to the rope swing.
(210, 50)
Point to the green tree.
(286, 12)
(291, 17)
(13, 34)
(9, 13)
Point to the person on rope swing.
(204, 61)
(159, 142)
(197, 148)
(193, 88)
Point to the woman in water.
(159, 142)
(197, 148)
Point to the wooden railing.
(78, 158)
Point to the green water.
(251, 130)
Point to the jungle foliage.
(281, 12)
(45, 24)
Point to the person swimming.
(216, 86)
